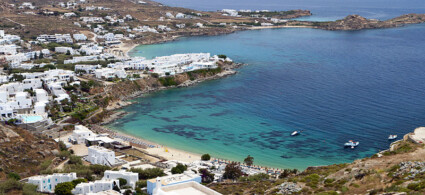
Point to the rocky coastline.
(356, 22)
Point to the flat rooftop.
(188, 188)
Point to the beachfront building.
(188, 188)
(80, 134)
(95, 187)
(131, 177)
(101, 156)
(160, 182)
(47, 183)
(180, 63)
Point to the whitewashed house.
(89, 69)
(47, 183)
(101, 156)
(64, 50)
(80, 134)
(95, 187)
(79, 37)
(109, 73)
(8, 49)
(131, 177)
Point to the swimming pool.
(31, 119)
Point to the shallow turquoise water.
(335, 85)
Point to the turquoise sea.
(334, 85)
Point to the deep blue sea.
(323, 10)
(334, 85)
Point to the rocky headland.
(356, 22)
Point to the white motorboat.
(392, 137)
(295, 133)
(351, 144)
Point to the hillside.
(23, 152)
(356, 22)
(399, 170)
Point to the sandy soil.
(174, 154)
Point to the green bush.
(150, 173)
(167, 81)
(141, 184)
(29, 189)
(180, 168)
(64, 188)
(75, 160)
(10, 184)
(13, 175)
(256, 177)
(205, 157)
(75, 182)
(122, 181)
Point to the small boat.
(351, 144)
(295, 133)
(392, 137)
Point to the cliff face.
(356, 22)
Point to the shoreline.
(160, 150)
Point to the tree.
(249, 160)
(68, 53)
(13, 175)
(41, 55)
(62, 146)
(75, 182)
(205, 157)
(222, 56)
(206, 176)
(64, 188)
(149, 173)
(285, 173)
(180, 168)
(75, 160)
(232, 171)
(122, 181)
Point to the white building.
(80, 134)
(95, 187)
(101, 156)
(109, 73)
(230, 12)
(70, 14)
(64, 50)
(180, 15)
(79, 37)
(89, 69)
(153, 185)
(8, 49)
(47, 183)
(188, 188)
(131, 177)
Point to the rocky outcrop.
(289, 188)
(356, 22)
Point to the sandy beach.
(122, 49)
(156, 149)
